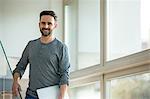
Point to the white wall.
(21, 23)
(1, 19)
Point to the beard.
(45, 32)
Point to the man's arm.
(64, 66)
(19, 70)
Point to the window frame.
(132, 64)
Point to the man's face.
(47, 24)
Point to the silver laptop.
(51, 92)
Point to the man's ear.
(56, 24)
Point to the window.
(5, 75)
(90, 91)
(127, 27)
(132, 87)
(123, 26)
(3, 62)
(82, 32)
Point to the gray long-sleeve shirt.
(49, 64)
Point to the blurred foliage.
(135, 87)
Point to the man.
(48, 59)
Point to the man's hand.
(60, 97)
(16, 88)
(63, 97)
(63, 92)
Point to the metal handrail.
(8, 63)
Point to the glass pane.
(91, 91)
(6, 78)
(133, 87)
(82, 32)
(128, 27)
(3, 63)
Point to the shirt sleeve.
(64, 66)
(22, 64)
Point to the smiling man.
(48, 60)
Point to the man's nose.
(46, 25)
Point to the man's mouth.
(45, 29)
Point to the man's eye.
(49, 23)
(43, 22)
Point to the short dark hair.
(51, 13)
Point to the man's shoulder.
(34, 41)
(59, 42)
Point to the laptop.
(51, 92)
